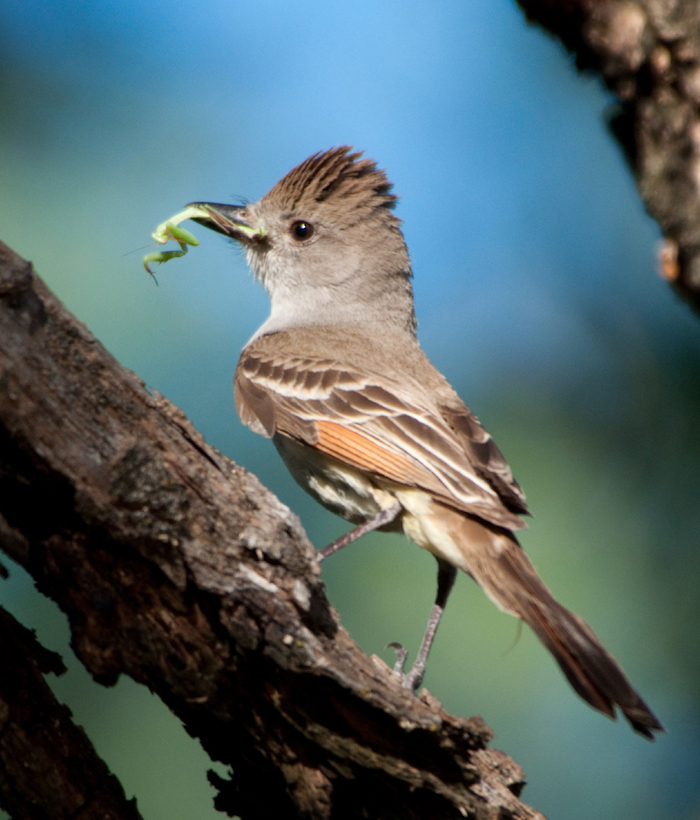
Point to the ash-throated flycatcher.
(365, 423)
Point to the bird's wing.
(379, 427)
(488, 461)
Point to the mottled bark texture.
(179, 569)
(648, 53)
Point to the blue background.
(536, 292)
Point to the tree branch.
(648, 53)
(179, 569)
(48, 768)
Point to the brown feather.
(496, 561)
(351, 447)
(351, 186)
(282, 394)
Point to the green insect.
(171, 230)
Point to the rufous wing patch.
(347, 445)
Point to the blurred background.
(537, 296)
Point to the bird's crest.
(336, 177)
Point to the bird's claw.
(401, 655)
(412, 679)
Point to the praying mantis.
(170, 229)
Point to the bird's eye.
(302, 230)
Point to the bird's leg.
(382, 518)
(412, 680)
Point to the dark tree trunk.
(648, 53)
(179, 569)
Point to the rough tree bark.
(179, 569)
(648, 53)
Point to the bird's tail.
(497, 562)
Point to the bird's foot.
(413, 678)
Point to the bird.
(336, 378)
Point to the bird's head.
(324, 242)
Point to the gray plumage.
(336, 378)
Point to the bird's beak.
(230, 220)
